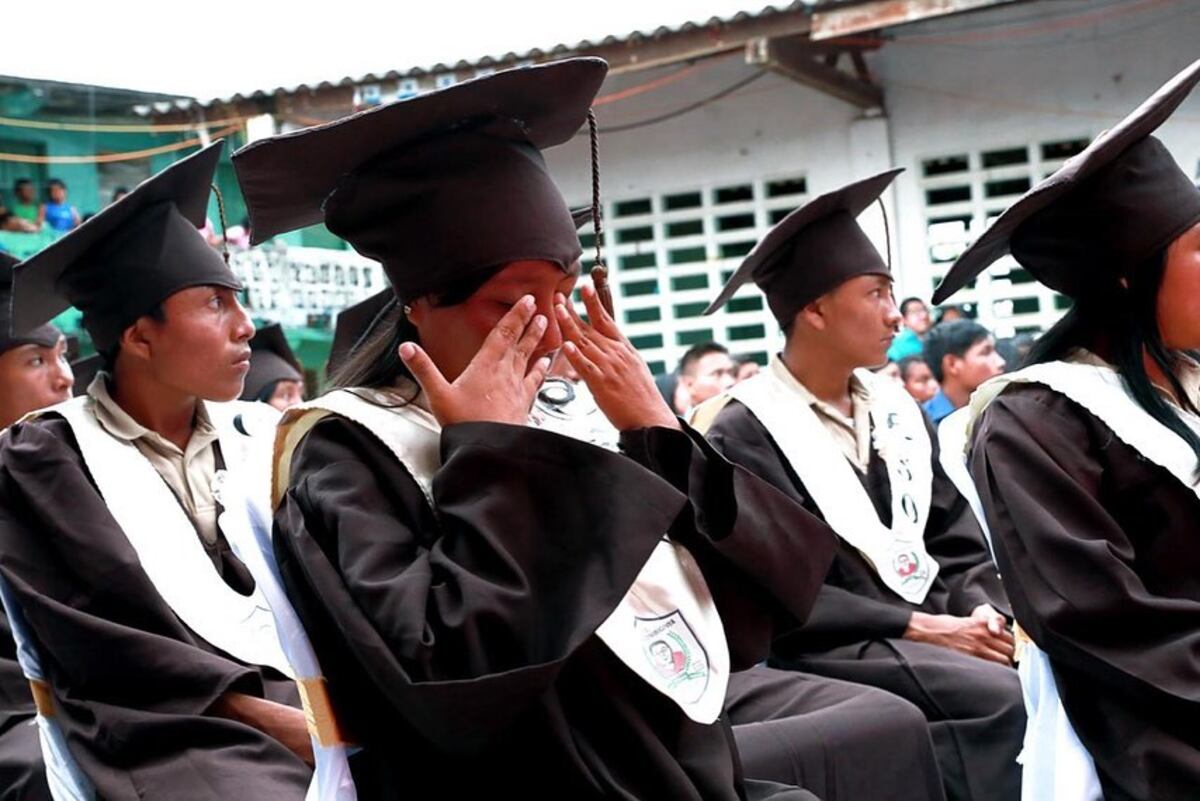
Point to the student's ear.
(814, 315)
(417, 311)
(136, 339)
(951, 365)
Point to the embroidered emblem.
(678, 658)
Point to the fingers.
(586, 368)
(601, 320)
(569, 322)
(424, 371)
(536, 375)
(509, 330)
(529, 340)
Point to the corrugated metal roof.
(506, 60)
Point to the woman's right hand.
(499, 384)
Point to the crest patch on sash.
(673, 650)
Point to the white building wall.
(1018, 79)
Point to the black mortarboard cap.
(130, 257)
(271, 360)
(813, 250)
(1101, 214)
(45, 335)
(438, 188)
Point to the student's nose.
(552, 339)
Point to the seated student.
(501, 610)
(1087, 461)
(275, 377)
(962, 355)
(910, 603)
(33, 374)
(160, 652)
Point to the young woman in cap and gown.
(162, 667)
(912, 603)
(1087, 460)
(499, 608)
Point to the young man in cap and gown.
(162, 664)
(34, 374)
(910, 604)
(499, 608)
(1087, 461)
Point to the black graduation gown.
(1099, 552)
(22, 773)
(132, 685)
(854, 632)
(459, 646)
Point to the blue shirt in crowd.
(938, 407)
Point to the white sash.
(666, 629)
(899, 435)
(952, 453)
(166, 542)
(246, 522)
(1100, 390)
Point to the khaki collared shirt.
(852, 434)
(189, 472)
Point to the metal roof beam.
(792, 58)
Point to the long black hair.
(1122, 325)
(375, 362)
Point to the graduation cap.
(130, 257)
(11, 336)
(439, 187)
(1105, 211)
(813, 250)
(271, 361)
(85, 370)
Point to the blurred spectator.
(962, 355)
(918, 378)
(25, 205)
(11, 222)
(119, 193)
(706, 370)
(890, 369)
(916, 325)
(56, 212)
(746, 368)
(950, 314)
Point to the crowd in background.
(939, 360)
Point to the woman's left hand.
(619, 379)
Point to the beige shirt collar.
(852, 433)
